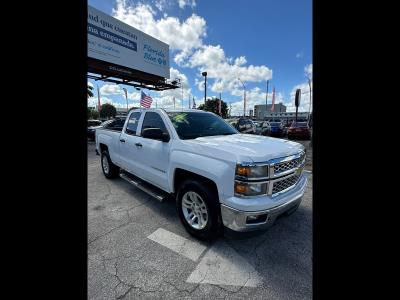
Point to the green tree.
(108, 111)
(89, 91)
(212, 106)
(89, 113)
(95, 114)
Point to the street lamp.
(244, 98)
(205, 85)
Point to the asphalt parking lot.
(138, 249)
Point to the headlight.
(250, 189)
(244, 174)
(251, 172)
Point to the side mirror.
(155, 134)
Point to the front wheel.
(109, 169)
(198, 209)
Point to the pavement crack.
(124, 294)
(108, 232)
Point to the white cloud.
(179, 35)
(186, 39)
(166, 97)
(183, 3)
(213, 60)
(92, 101)
(299, 55)
(308, 70)
(254, 97)
(110, 89)
(304, 99)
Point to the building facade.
(261, 110)
(286, 117)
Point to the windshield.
(106, 122)
(191, 125)
(275, 124)
(94, 123)
(302, 125)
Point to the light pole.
(244, 98)
(205, 86)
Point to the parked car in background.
(244, 125)
(277, 129)
(299, 130)
(93, 123)
(263, 127)
(114, 124)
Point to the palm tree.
(89, 91)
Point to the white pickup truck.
(217, 175)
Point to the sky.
(254, 40)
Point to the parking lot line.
(178, 244)
(223, 265)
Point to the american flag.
(273, 100)
(194, 104)
(145, 100)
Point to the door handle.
(138, 145)
(122, 140)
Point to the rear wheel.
(109, 169)
(198, 209)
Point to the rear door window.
(133, 122)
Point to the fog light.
(256, 219)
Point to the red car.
(299, 130)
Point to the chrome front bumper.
(236, 219)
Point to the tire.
(189, 190)
(110, 170)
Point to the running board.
(144, 186)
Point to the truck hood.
(248, 147)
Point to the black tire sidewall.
(210, 197)
(113, 169)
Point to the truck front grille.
(288, 165)
(284, 184)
